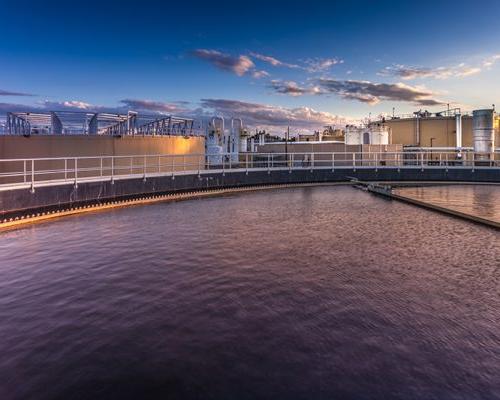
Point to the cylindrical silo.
(483, 133)
(353, 135)
(379, 135)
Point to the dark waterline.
(300, 293)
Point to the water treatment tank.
(379, 135)
(353, 135)
(483, 132)
(376, 134)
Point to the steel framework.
(90, 123)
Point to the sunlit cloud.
(461, 70)
(239, 65)
(311, 65)
(292, 88)
(273, 61)
(410, 73)
(67, 105)
(321, 64)
(490, 61)
(155, 106)
(373, 93)
(261, 115)
(260, 74)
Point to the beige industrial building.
(344, 154)
(435, 130)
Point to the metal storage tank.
(369, 135)
(483, 133)
(379, 135)
(353, 135)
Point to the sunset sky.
(271, 63)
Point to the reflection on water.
(479, 200)
(294, 293)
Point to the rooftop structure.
(91, 123)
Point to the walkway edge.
(383, 191)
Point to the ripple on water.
(305, 293)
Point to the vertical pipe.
(76, 172)
(458, 131)
(32, 175)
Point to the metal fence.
(32, 172)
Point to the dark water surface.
(479, 200)
(307, 293)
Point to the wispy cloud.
(262, 115)
(260, 74)
(373, 93)
(490, 61)
(410, 72)
(273, 61)
(292, 88)
(239, 65)
(10, 93)
(155, 106)
(321, 64)
(69, 105)
(461, 70)
(311, 65)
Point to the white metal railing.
(33, 172)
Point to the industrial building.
(447, 129)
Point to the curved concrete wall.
(22, 201)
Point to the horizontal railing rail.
(30, 172)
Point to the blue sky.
(273, 63)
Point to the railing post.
(246, 163)
(112, 170)
(32, 176)
(312, 161)
(289, 160)
(144, 168)
(354, 160)
(183, 162)
(269, 163)
(173, 167)
(76, 172)
(24, 174)
(101, 165)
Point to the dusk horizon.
(270, 64)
